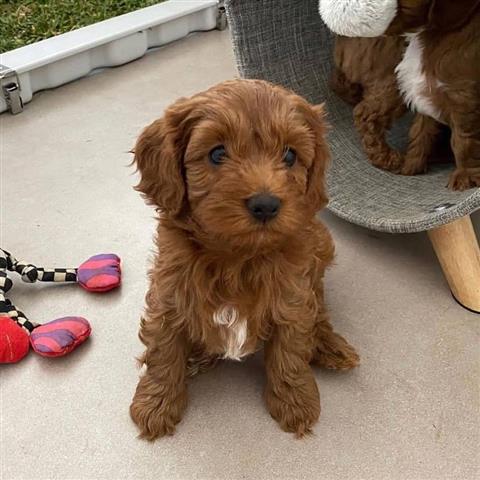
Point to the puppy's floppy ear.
(159, 159)
(316, 189)
(450, 14)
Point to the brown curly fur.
(364, 76)
(212, 253)
(451, 61)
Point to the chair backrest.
(284, 41)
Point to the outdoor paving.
(411, 411)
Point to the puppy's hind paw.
(409, 169)
(335, 353)
(391, 162)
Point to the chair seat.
(286, 42)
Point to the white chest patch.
(412, 80)
(234, 331)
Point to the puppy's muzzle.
(263, 207)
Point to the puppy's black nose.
(263, 206)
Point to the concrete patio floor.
(411, 411)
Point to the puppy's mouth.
(262, 236)
(257, 221)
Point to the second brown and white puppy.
(439, 75)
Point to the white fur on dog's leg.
(358, 18)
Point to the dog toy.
(358, 18)
(56, 338)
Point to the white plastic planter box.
(58, 60)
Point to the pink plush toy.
(99, 273)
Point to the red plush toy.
(58, 337)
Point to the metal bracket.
(442, 207)
(221, 16)
(11, 90)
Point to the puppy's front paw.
(156, 415)
(463, 179)
(296, 409)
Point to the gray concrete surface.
(411, 411)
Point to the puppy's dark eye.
(217, 155)
(289, 157)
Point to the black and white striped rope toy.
(99, 273)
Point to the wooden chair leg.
(457, 249)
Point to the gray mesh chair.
(286, 42)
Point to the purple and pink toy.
(56, 338)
